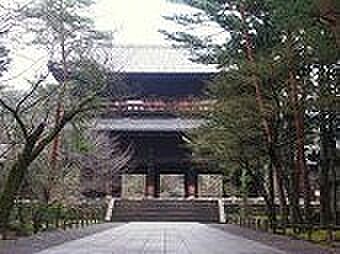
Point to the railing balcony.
(160, 106)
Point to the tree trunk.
(56, 141)
(301, 176)
(11, 188)
(294, 193)
(284, 211)
(60, 108)
(327, 157)
(16, 176)
(268, 132)
(271, 208)
(54, 158)
(292, 184)
(325, 208)
(268, 195)
(334, 196)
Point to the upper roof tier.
(150, 71)
(153, 59)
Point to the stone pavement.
(288, 244)
(45, 240)
(172, 238)
(162, 238)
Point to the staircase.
(166, 210)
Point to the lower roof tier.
(147, 124)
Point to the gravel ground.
(41, 241)
(283, 243)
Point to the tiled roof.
(145, 124)
(153, 59)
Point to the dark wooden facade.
(155, 121)
(164, 94)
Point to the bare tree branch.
(30, 93)
(16, 117)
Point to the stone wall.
(172, 186)
(133, 186)
(210, 185)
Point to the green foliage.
(279, 63)
(232, 135)
(79, 142)
(33, 217)
(63, 23)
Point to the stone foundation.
(172, 186)
(210, 185)
(133, 186)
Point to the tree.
(5, 19)
(81, 152)
(37, 132)
(102, 162)
(327, 122)
(327, 12)
(62, 28)
(240, 19)
(233, 137)
(31, 112)
(274, 49)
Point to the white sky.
(135, 22)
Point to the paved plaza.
(157, 237)
(162, 238)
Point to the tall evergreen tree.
(273, 50)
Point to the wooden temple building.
(166, 93)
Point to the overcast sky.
(134, 22)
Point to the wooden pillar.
(151, 183)
(157, 183)
(191, 184)
(115, 186)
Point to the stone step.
(164, 219)
(166, 210)
(165, 201)
(163, 213)
(164, 207)
(165, 204)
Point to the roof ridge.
(154, 58)
(153, 46)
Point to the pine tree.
(273, 50)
